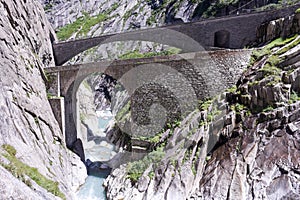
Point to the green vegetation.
(266, 50)
(295, 42)
(204, 105)
(137, 168)
(270, 70)
(155, 139)
(238, 107)
(82, 117)
(294, 97)
(86, 85)
(83, 24)
(160, 11)
(50, 96)
(173, 125)
(233, 89)
(137, 54)
(212, 112)
(211, 115)
(268, 109)
(122, 113)
(130, 12)
(211, 9)
(271, 6)
(21, 170)
(48, 6)
(274, 80)
(9, 149)
(297, 11)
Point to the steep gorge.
(247, 141)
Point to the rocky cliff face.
(243, 144)
(30, 136)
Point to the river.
(92, 189)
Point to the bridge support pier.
(66, 113)
(58, 108)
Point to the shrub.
(137, 168)
(270, 70)
(294, 97)
(268, 109)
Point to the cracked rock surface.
(26, 119)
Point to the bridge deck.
(133, 61)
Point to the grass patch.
(90, 22)
(137, 54)
(21, 170)
(289, 46)
(83, 24)
(269, 70)
(67, 31)
(266, 50)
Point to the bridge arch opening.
(138, 77)
(94, 105)
(222, 39)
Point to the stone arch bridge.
(206, 73)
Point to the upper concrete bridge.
(228, 32)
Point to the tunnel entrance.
(222, 39)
